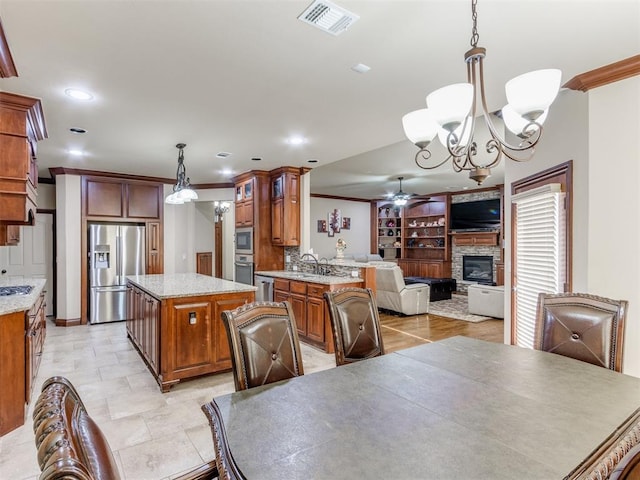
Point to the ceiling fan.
(400, 198)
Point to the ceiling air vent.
(223, 154)
(328, 16)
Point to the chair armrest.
(416, 286)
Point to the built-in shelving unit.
(389, 231)
(416, 235)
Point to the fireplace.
(477, 268)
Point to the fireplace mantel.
(476, 238)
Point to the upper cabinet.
(21, 127)
(285, 206)
(112, 198)
(244, 203)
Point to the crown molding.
(7, 67)
(611, 73)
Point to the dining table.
(460, 408)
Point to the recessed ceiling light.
(227, 172)
(313, 160)
(75, 153)
(77, 130)
(78, 94)
(296, 140)
(361, 68)
(223, 154)
(256, 159)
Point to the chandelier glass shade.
(182, 191)
(451, 115)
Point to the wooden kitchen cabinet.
(143, 325)
(181, 337)
(425, 268)
(285, 206)
(253, 209)
(9, 235)
(22, 336)
(155, 255)
(21, 127)
(36, 332)
(108, 198)
(244, 203)
(309, 308)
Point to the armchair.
(393, 294)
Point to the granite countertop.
(309, 277)
(174, 285)
(20, 303)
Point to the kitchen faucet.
(317, 266)
(323, 266)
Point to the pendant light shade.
(517, 124)
(420, 127)
(182, 191)
(533, 92)
(459, 137)
(451, 104)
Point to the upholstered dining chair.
(225, 464)
(264, 345)
(629, 466)
(355, 324)
(582, 326)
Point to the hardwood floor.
(403, 332)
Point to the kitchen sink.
(15, 290)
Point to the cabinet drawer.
(298, 287)
(280, 284)
(316, 290)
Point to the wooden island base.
(181, 337)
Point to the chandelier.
(219, 209)
(451, 115)
(182, 191)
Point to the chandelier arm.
(529, 141)
(421, 154)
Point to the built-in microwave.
(244, 241)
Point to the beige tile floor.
(153, 435)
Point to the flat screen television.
(479, 215)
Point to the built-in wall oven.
(244, 241)
(244, 269)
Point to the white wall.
(68, 243)
(598, 130)
(357, 238)
(46, 196)
(613, 230)
(565, 137)
(185, 232)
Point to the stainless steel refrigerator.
(115, 251)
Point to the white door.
(33, 257)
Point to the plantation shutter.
(540, 253)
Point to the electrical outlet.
(287, 258)
(295, 268)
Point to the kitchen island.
(175, 323)
(22, 333)
(305, 293)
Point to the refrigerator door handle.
(118, 259)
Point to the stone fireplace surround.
(458, 251)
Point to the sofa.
(393, 294)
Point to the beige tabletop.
(456, 409)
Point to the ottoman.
(439, 288)
(487, 300)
